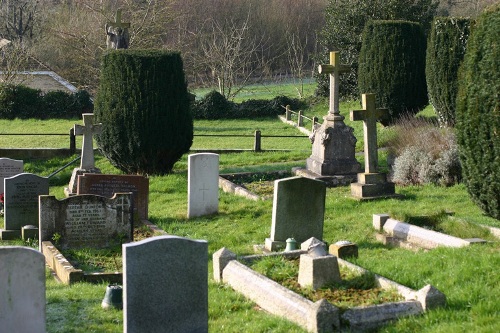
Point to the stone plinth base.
(330, 181)
(372, 186)
(73, 183)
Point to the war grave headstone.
(371, 184)
(82, 221)
(9, 168)
(203, 184)
(21, 202)
(298, 211)
(107, 185)
(87, 162)
(22, 297)
(333, 153)
(165, 285)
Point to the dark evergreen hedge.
(392, 65)
(215, 106)
(478, 113)
(18, 101)
(143, 104)
(445, 52)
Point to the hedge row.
(18, 101)
(216, 106)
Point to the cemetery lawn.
(469, 277)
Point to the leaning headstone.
(22, 299)
(9, 168)
(87, 161)
(298, 211)
(165, 285)
(371, 183)
(21, 199)
(108, 185)
(203, 184)
(86, 220)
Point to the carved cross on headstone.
(87, 130)
(334, 69)
(369, 115)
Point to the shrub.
(212, 106)
(143, 104)
(445, 53)
(394, 69)
(478, 113)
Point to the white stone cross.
(369, 115)
(87, 130)
(334, 69)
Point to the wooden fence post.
(288, 115)
(256, 145)
(315, 120)
(72, 141)
(300, 120)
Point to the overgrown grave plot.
(252, 185)
(430, 231)
(360, 301)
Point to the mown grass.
(467, 276)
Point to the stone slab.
(86, 220)
(108, 185)
(9, 168)
(22, 300)
(165, 282)
(21, 199)
(298, 209)
(203, 184)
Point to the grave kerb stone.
(165, 285)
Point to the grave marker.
(21, 199)
(298, 211)
(203, 184)
(165, 285)
(22, 299)
(108, 185)
(86, 220)
(371, 183)
(9, 168)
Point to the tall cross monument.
(87, 162)
(371, 184)
(334, 143)
(117, 33)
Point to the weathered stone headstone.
(21, 200)
(108, 185)
(298, 211)
(165, 285)
(203, 184)
(87, 161)
(333, 152)
(22, 298)
(9, 168)
(86, 220)
(371, 183)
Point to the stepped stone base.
(372, 186)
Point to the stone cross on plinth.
(370, 115)
(334, 69)
(87, 162)
(371, 184)
(334, 143)
(87, 131)
(117, 33)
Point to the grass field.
(469, 277)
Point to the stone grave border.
(68, 274)
(397, 233)
(229, 187)
(320, 316)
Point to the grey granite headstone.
(22, 297)
(203, 184)
(298, 211)
(165, 284)
(86, 220)
(9, 168)
(21, 199)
